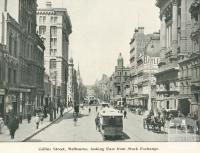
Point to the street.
(85, 131)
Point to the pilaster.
(174, 27)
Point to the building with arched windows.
(175, 71)
(190, 65)
(119, 81)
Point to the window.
(15, 48)
(40, 19)
(52, 64)
(10, 45)
(42, 30)
(14, 76)
(44, 19)
(54, 19)
(53, 31)
(9, 75)
(53, 42)
(53, 52)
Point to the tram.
(110, 122)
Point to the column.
(183, 43)
(174, 27)
(163, 37)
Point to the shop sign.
(2, 92)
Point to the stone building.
(2, 78)
(119, 80)
(144, 58)
(175, 46)
(54, 26)
(190, 65)
(24, 68)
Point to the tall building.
(176, 45)
(2, 79)
(54, 26)
(190, 65)
(144, 58)
(24, 67)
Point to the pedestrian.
(37, 120)
(61, 111)
(89, 110)
(75, 119)
(41, 116)
(1, 124)
(125, 114)
(45, 111)
(29, 117)
(97, 122)
(12, 125)
(96, 108)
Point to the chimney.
(48, 4)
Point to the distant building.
(119, 80)
(102, 86)
(54, 26)
(70, 88)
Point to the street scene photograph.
(99, 71)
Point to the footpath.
(27, 130)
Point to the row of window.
(13, 46)
(53, 30)
(53, 19)
(188, 72)
(12, 76)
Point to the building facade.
(176, 45)
(190, 64)
(24, 68)
(54, 26)
(119, 82)
(144, 58)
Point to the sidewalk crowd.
(16, 130)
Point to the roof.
(109, 112)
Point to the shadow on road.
(124, 137)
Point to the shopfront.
(2, 104)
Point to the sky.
(101, 29)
